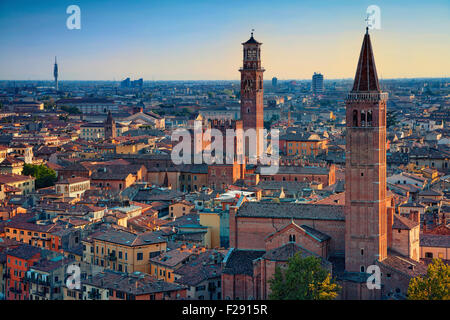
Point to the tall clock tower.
(365, 167)
(252, 92)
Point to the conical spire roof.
(109, 118)
(366, 78)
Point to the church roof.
(366, 78)
(291, 211)
(241, 261)
(315, 234)
(288, 250)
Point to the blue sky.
(197, 39)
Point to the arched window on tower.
(355, 118)
(369, 118)
(363, 118)
(260, 83)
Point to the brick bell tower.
(365, 167)
(252, 92)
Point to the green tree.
(435, 285)
(45, 177)
(228, 92)
(71, 110)
(303, 279)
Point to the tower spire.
(55, 74)
(366, 78)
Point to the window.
(120, 295)
(362, 252)
(292, 238)
(369, 118)
(362, 269)
(140, 256)
(428, 254)
(363, 118)
(355, 118)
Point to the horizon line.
(227, 80)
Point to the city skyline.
(204, 42)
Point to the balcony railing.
(38, 281)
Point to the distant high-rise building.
(274, 81)
(137, 83)
(125, 83)
(55, 74)
(317, 83)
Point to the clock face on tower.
(251, 54)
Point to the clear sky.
(201, 39)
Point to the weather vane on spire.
(253, 31)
